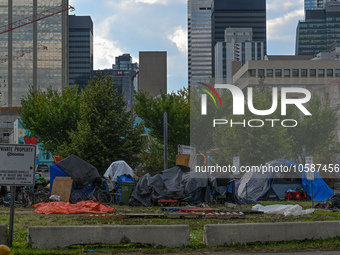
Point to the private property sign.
(17, 164)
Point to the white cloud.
(105, 52)
(274, 5)
(151, 1)
(179, 37)
(281, 27)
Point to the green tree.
(254, 145)
(152, 157)
(151, 110)
(316, 132)
(50, 115)
(105, 130)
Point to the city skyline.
(131, 26)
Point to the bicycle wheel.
(39, 198)
(104, 197)
(77, 196)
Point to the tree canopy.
(176, 105)
(50, 115)
(105, 130)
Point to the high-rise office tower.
(153, 72)
(237, 49)
(199, 41)
(80, 50)
(315, 4)
(122, 72)
(124, 62)
(238, 14)
(319, 30)
(34, 54)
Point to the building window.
(252, 72)
(269, 72)
(295, 72)
(312, 72)
(329, 72)
(287, 72)
(321, 72)
(260, 73)
(278, 72)
(337, 72)
(303, 72)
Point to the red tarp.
(68, 208)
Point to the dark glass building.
(319, 30)
(238, 14)
(80, 50)
(122, 73)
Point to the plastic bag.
(54, 198)
(286, 210)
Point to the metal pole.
(165, 141)
(11, 217)
(311, 186)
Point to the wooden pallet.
(176, 209)
(197, 215)
(199, 210)
(243, 211)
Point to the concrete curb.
(49, 237)
(226, 234)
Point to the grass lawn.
(25, 217)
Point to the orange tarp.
(68, 208)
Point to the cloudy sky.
(130, 26)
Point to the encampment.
(270, 182)
(175, 183)
(78, 169)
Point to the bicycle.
(28, 196)
(94, 193)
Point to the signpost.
(17, 167)
(310, 175)
(236, 164)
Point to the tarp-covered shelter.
(116, 169)
(174, 183)
(268, 183)
(82, 173)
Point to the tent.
(174, 183)
(81, 172)
(270, 183)
(116, 169)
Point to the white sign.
(236, 164)
(188, 150)
(17, 164)
(310, 172)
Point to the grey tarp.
(174, 183)
(82, 173)
(116, 169)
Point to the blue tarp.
(321, 191)
(255, 185)
(55, 171)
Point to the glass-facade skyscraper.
(199, 41)
(80, 50)
(319, 30)
(32, 55)
(122, 73)
(238, 14)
